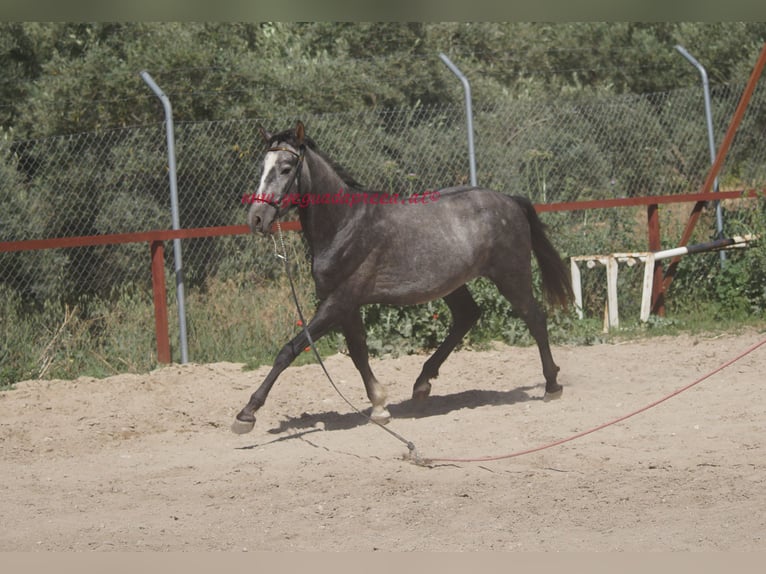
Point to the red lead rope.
(603, 426)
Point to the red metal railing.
(156, 240)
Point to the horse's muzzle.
(260, 217)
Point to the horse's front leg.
(321, 323)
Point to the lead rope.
(607, 424)
(412, 451)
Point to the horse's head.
(283, 168)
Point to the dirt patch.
(137, 462)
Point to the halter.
(295, 175)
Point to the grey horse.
(370, 247)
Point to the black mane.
(288, 137)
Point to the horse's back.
(485, 203)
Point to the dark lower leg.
(465, 313)
(537, 323)
(285, 357)
(517, 289)
(318, 326)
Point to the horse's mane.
(288, 137)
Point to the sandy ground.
(147, 462)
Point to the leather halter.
(295, 175)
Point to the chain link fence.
(568, 149)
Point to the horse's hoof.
(547, 397)
(242, 427)
(380, 415)
(421, 392)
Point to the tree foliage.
(71, 77)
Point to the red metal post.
(655, 244)
(160, 301)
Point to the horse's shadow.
(434, 405)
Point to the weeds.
(237, 323)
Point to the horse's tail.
(557, 282)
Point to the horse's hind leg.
(517, 288)
(465, 313)
(356, 339)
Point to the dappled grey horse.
(379, 248)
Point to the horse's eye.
(285, 170)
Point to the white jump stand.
(612, 260)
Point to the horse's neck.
(325, 224)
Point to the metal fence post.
(711, 139)
(174, 212)
(468, 113)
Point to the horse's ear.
(300, 132)
(264, 134)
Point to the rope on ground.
(429, 461)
